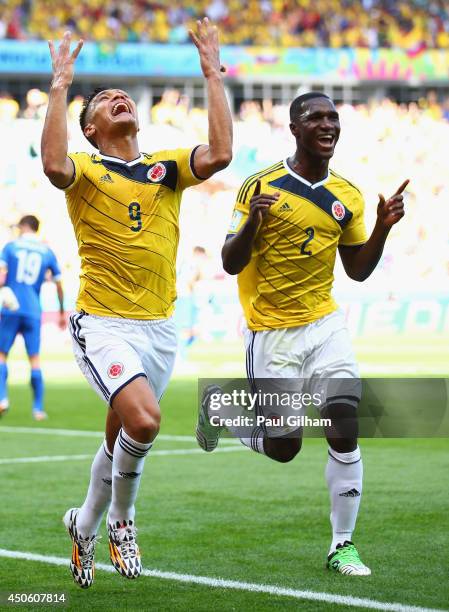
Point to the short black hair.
(83, 114)
(31, 221)
(295, 106)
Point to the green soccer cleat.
(207, 435)
(346, 560)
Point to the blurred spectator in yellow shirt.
(9, 108)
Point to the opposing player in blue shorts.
(25, 263)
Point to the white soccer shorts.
(316, 359)
(111, 352)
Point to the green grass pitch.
(230, 515)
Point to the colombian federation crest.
(115, 370)
(338, 210)
(157, 173)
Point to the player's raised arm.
(57, 166)
(360, 261)
(218, 153)
(237, 250)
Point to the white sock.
(127, 466)
(255, 442)
(98, 495)
(344, 474)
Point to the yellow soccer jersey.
(125, 216)
(289, 279)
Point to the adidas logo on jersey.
(285, 206)
(106, 178)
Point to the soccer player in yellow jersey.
(124, 206)
(288, 222)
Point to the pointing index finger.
(402, 187)
(257, 189)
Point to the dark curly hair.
(83, 114)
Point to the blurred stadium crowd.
(381, 144)
(412, 25)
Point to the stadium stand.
(380, 141)
(413, 25)
(393, 123)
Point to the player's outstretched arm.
(359, 262)
(237, 250)
(218, 153)
(57, 166)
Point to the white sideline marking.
(177, 451)
(49, 431)
(43, 459)
(94, 434)
(220, 583)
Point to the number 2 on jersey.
(134, 215)
(310, 233)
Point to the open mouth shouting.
(327, 141)
(119, 108)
